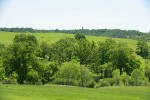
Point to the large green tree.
(103, 49)
(21, 55)
(63, 50)
(85, 51)
(123, 59)
(100, 64)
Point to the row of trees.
(132, 34)
(70, 61)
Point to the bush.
(125, 78)
(68, 74)
(11, 79)
(145, 82)
(85, 77)
(58, 81)
(120, 84)
(32, 77)
(90, 84)
(136, 77)
(105, 82)
(117, 77)
(147, 73)
(71, 73)
(2, 73)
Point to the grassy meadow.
(7, 38)
(58, 92)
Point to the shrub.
(147, 73)
(10, 80)
(136, 77)
(105, 82)
(71, 73)
(125, 78)
(117, 77)
(91, 84)
(32, 77)
(145, 82)
(68, 74)
(2, 73)
(85, 77)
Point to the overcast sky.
(73, 14)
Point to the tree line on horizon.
(74, 61)
(114, 33)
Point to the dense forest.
(74, 61)
(115, 33)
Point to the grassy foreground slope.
(54, 92)
(7, 38)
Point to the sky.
(73, 14)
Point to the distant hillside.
(52, 37)
(115, 33)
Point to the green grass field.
(57, 92)
(7, 38)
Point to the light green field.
(55, 92)
(7, 38)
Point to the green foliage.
(103, 49)
(63, 50)
(137, 77)
(147, 73)
(21, 55)
(85, 77)
(122, 58)
(69, 62)
(79, 36)
(32, 77)
(125, 78)
(45, 49)
(107, 82)
(142, 49)
(116, 76)
(11, 79)
(145, 82)
(2, 70)
(69, 73)
(48, 71)
(96, 32)
(2, 73)
(85, 51)
(24, 38)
